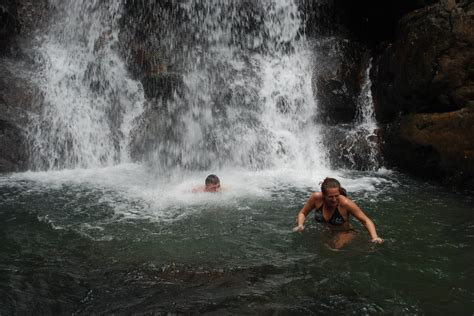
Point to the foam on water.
(134, 192)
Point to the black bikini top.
(336, 218)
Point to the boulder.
(435, 145)
(429, 66)
(423, 87)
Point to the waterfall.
(245, 97)
(193, 85)
(89, 101)
(365, 120)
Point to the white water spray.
(365, 120)
(89, 100)
(248, 97)
(247, 107)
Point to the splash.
(89, 101)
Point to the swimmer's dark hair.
(330, 183)
(212, 179)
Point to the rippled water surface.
(125, 240)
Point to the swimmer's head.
(331, 183)
(331, 189)
(212, 183)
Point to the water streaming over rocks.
(188, 85)
(356, 145)
(244, 95)
(89, 100)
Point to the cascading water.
(89, 101)
(357, 146)
(241, 76)
(246, 98)
(365, 120)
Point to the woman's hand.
(298, 228)
(377, 240)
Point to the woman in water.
(333, 207)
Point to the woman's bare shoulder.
(346, 202)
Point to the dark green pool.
(121, 241)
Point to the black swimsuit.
(336, 218)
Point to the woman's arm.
(307, 208)
(365, 220)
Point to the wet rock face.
(16, 96)
(338, 80)
(19, 20)
(367, 21)
(339, 83)
(349, 147)
(8, 24)
(435, 145)
(423, 87)
(11, 158)
(10, 134)
(428, 67)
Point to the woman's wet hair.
(212, 179)
(330, 183)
